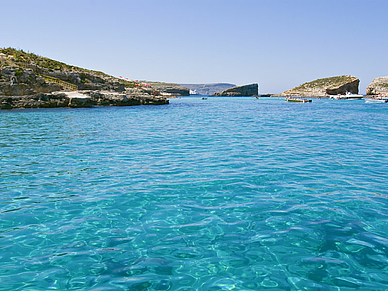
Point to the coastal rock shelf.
(81, 99)
(324, 87)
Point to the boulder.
(245, 90)
(378, 86)
(324, 87)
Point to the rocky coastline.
(31, 81)
(87, 98)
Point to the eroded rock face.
(325, 87)
(378, 86)
(128, 98)
(41, 100)
(245, 90)
(84, 99)
(16, 82)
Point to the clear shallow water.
(222, 194)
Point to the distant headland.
(207, 89)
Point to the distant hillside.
(174, 89)
(208, 89)
(32, 72)
(29, 80)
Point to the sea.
(216, 194)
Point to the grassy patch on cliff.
(20, 58)
(326, 82)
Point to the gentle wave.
(222, 194)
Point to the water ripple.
(227, 194)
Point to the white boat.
(376, 100)
(347, 96)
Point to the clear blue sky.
(276, 43)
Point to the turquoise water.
(217, 194)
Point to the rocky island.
(238, 91)
(378, 86)
(31, 81)
(324, 87)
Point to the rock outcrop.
(31, 81)
(324, 87)
(238, 91)
(378, 86)
(82, 99)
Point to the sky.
(278, 44)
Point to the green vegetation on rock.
(326, 82)
(325, 87)
(20, 58)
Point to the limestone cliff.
(325, 87)
(28, 80)
(378, 86)
(238, 91)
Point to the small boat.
(204, 98)
(376, 100)
(193, 92)
(298, 99)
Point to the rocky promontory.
(238, 91)
(31, 81)
(324, 87)
(378, 86)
